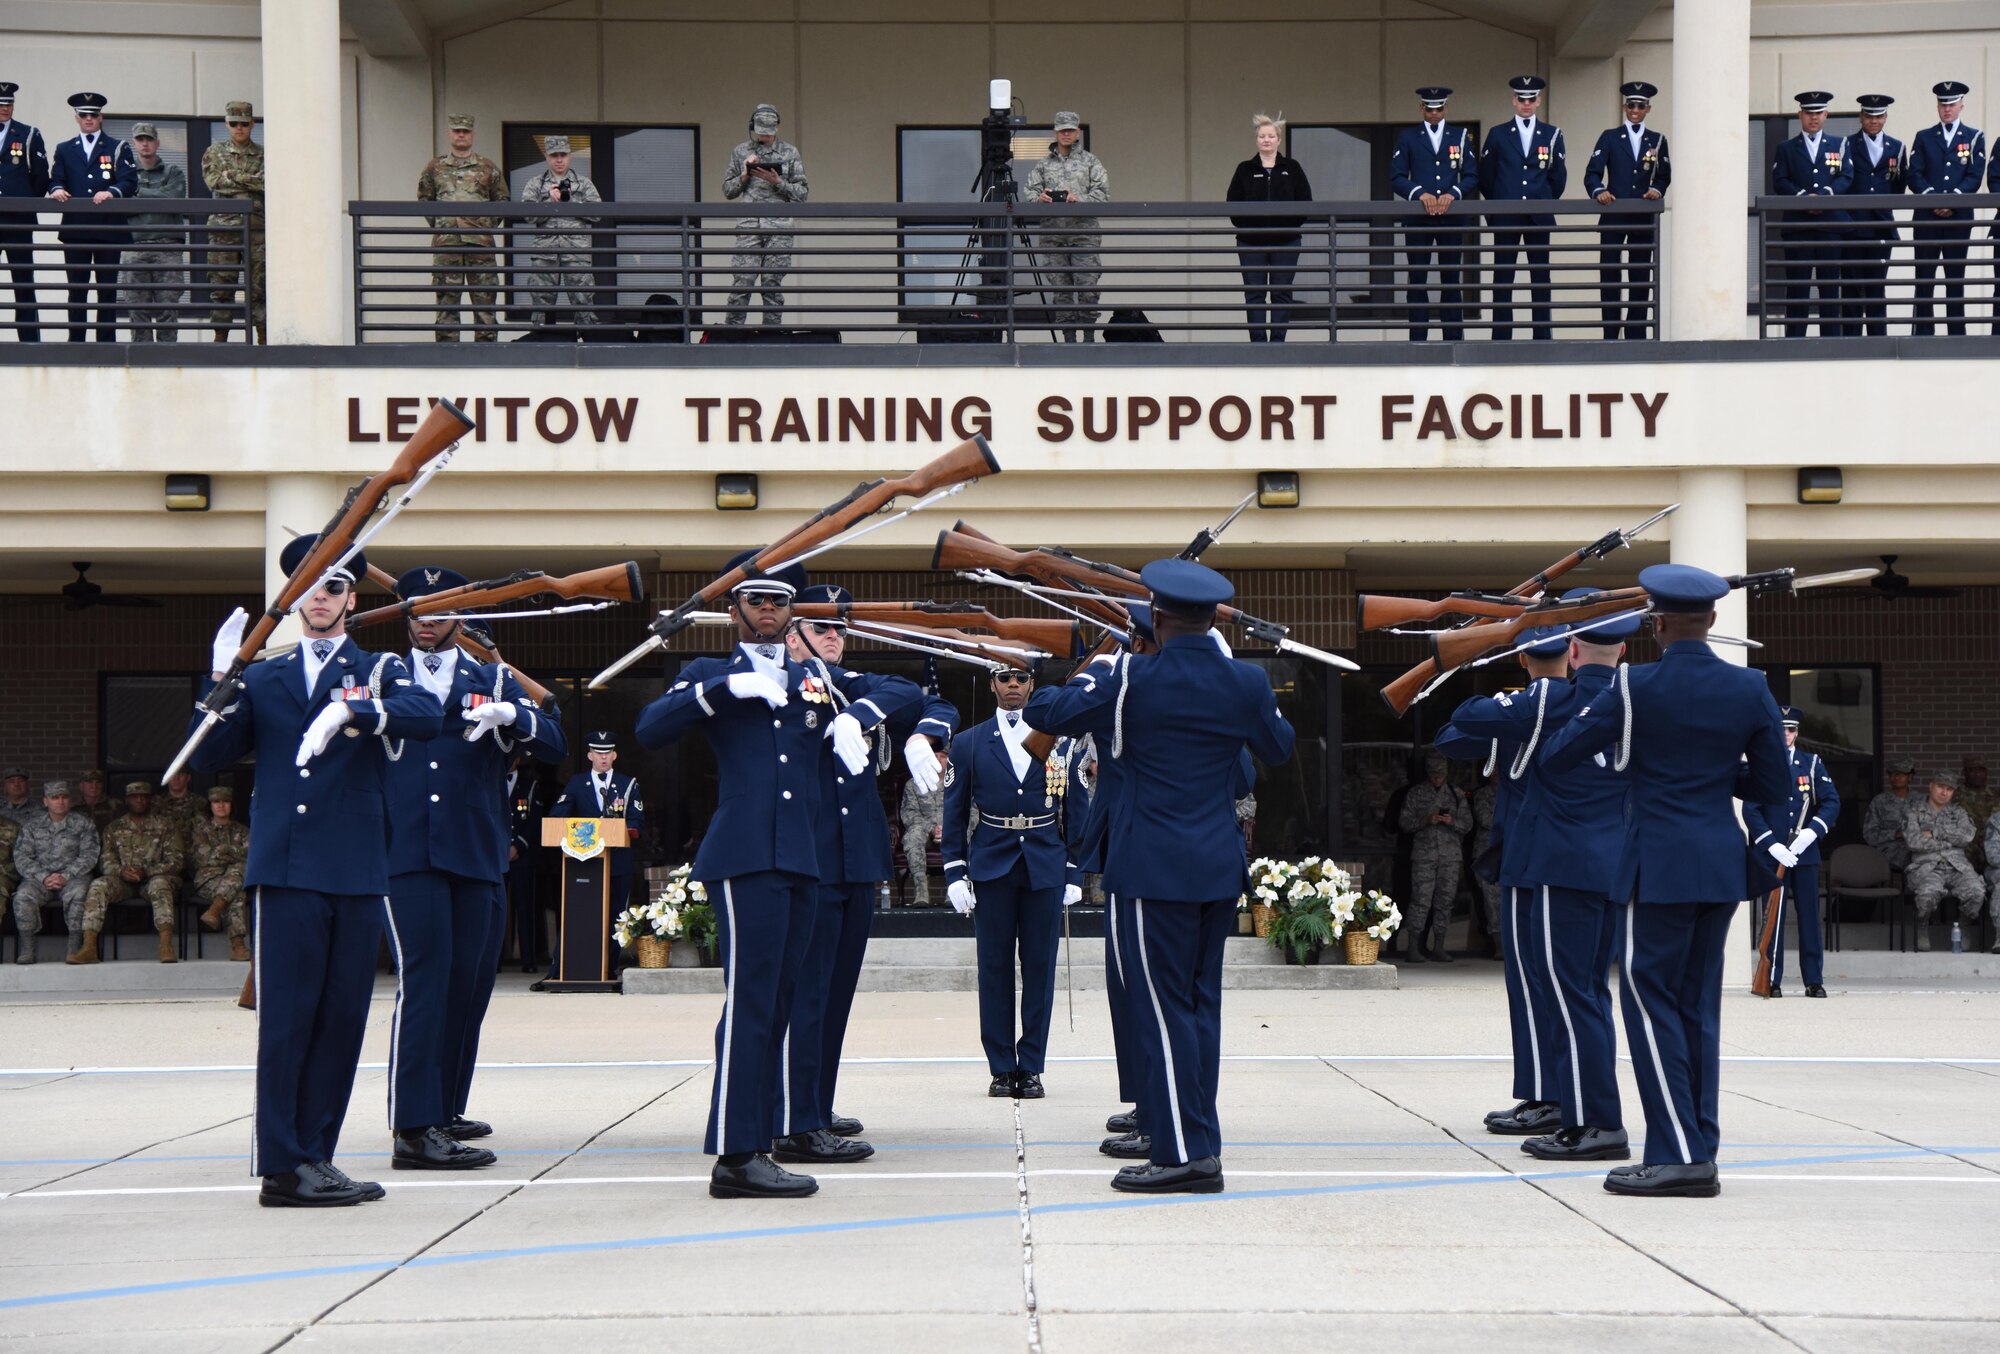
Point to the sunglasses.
(1638, 103)
(780, 601)
(822, 627)
(1011, 676)
(335, 587)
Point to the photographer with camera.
(1070, 261)
(558, 266)
(762, 169)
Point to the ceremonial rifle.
(612, 583)
(339, 541)
(1768, 937)
(1057, 637)
(482, 653)
(1455, 648)
(1377, 611)
(1402, 693)
(966, 462)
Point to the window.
(143, 715)
(938, 164)
(1840, 718)
(1767, 133)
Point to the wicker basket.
(1262, 919)
(653, 951)
(1362, 948)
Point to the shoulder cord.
(1492, 760)
(880, 734)
(499, 692)
(1624, 684)
(1118, 710)
(392, 747)
(1526, 756)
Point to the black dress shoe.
(1698, 1181)
(539, 985)
(1135, 1146)
(432, 1149)
(844, 1127)
(370, 1191)
(1511, 1111)
(1028, 1086)
(308, 1187)
(1125, 1121)
(465, 1129)
(758, 1178)
(1815, 990)
(1581, 1143)
(1202, 1176)
(1532, 1122)
(1002, 1087)
(1777, 991)
(820, 1146)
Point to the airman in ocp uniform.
(218, 848)
(235, 169)
(143, 855)
(101, 807)
(464, 264)
(54, 857)
(10, 878)
(181, 805)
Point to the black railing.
(716, 272)
(88, 272)
(1861, 266)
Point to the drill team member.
(1790, 832)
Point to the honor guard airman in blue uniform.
(24, 173)
(852, 847)
(1790, 833)
(602, 793)
(1434, 164)
(1524, 160)
(1180, 720)
(524, 835)
(1812, 164)
(1536, 1109)
(766, 716)
(1946, 160)
(324, 723)
(448, 840)
(1881, 169)
(92, 166)
(1696, 732)
(1562, 847)
(1007, 864)
(1628, 162)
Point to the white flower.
(1376, 933)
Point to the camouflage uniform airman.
(151, 845)
(29, 809)
(1485, 802)
(763, 243)
(101, 810)
(559, 268)
(10, 878)
(1937, 839)
(465, 263)
(234, 171)
(1067, 246)
(183, 811)
(1437, 851)
(153, 274)
(1979, 801)
(217, 850)
(46, 847)
(1882, 826)
(922, 815)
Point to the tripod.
(995, 183)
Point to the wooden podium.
(584, 923)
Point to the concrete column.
(305, 221)
(292, 504)
(1707, 249)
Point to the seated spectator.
(10, 878)
(1882, 828)
(217, 849)
(143, 855)
(54, 857)
(1937, 832)
(100, 806)
(17, 805)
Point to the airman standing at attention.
(24, 172)
(464, 264)
(235, 169)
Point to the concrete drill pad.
(1353, 1143)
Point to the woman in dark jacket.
(1268, 245)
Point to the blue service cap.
(1547, 641)
(1639, 89)
(294, 554)
(791, 578)
(1682, 587)
(426, 579)
(1142, 620)
(1528, 86)
(1185, 585)
(1788, 715)
(1875, 103)
(825, 592)
(1434, 96)
(1950, 91)
(1813, 100)
(1603, 632)
(601, 740)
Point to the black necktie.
(433, 662)
(321, 648)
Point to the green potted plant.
(698, 929)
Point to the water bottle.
(1957, 939)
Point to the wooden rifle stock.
(1039, 744)
(1768, 938)
(1401, 694)
(613, 582)
(480, 652)
(1052, 636)
(1374, 611)
(1455, 648)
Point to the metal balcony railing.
(1870, 266)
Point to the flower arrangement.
(1313, 903)
(665, 915)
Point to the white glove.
(1072, 895)
(1803, 842)
(320, 732)
(1783, 855)
(960, 897)
(922, 759)
(228, 640)
(850, 744)
(491, 715)
(756, 686)
(1221, 643)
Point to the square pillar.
(305, 219)
(1707, 251)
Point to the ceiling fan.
(1889, 585)
(80, 594)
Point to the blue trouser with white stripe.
(764, 925)
(1131, 1070)
(437, 930)
(1570, 941)
(1801, 896)
(803, 1099)
(1515, 920)
(1009, 917)
(1173, 953)
(472, 1015)
(1670, 985)
(315, 973)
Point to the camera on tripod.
(996, 143)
